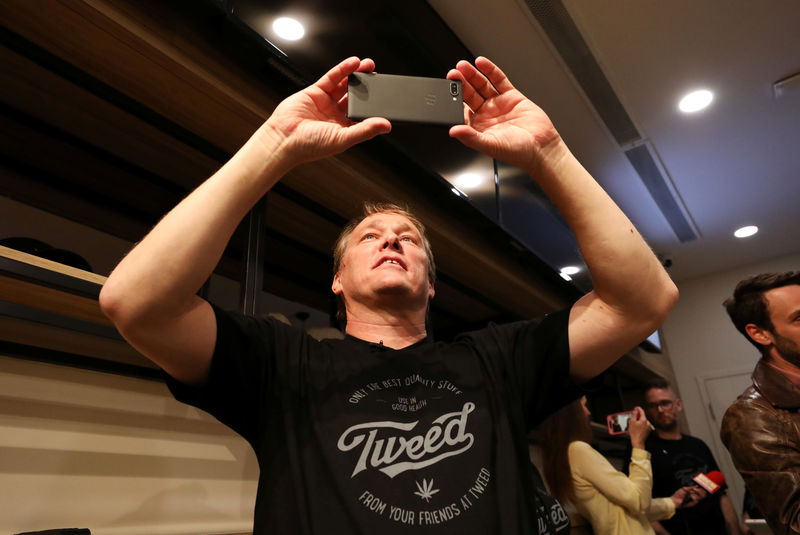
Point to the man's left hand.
(500, 121)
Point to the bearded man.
(762, 428)
(676, 459)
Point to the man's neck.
(669, 434)
(394, 330)
(789, 370)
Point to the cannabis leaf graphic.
(426, 491)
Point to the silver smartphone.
(405, 98)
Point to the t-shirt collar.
(378, 346)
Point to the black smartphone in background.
(405, 98)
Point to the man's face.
(384, 257)
(783, 305)
(662, 407)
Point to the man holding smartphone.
(387, 431)
(676, 459)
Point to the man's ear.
(431, 291)
(758, 334)
(678, 405)
(336, 286)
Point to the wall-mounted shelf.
(49, 312)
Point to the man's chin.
(671, 426)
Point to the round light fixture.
(570, 270)
(468, 180)
(696, 101)
(288, 28)
(746, 232)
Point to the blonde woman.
(614, 503)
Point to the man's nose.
(393, 242)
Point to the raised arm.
(632, 293)
(151, 295)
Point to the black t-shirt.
(355, 437)
(675, 463)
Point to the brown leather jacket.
(762, 433)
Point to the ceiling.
(115, 109)
(733, 164)
(610, 74)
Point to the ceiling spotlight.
(696, 101)
(745, 232)
(570, 270)
(468, 180)
(288, 28)
(565, 276)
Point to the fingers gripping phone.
(405, 98)
(618, 422)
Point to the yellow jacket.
(613, 502)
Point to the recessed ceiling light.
(288, 28)
(570, 270)
(745, 232)
(468, 180)
(696, 101)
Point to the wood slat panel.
(48, 97)
(57, 339)
(133, 50)
(44, 298)
(69, 167)
(108, 45)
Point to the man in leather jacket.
(762, 427)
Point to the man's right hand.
(151, 295)
(688, 496)
(312, 124)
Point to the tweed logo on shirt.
(385, 449)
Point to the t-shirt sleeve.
(536, 357)
(239, 388)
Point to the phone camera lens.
(454, 88)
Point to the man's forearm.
(659, 529)
(163, 272)
(625, 272)
(729, 513)
(632, 293)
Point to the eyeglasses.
(664, 405)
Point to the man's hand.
(312, 124)
(500, 121)
(692, 494)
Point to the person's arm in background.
(659, 529)
(151, 295)
(731, 520)
(743, 526)
(632, 293)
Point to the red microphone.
(710, 482)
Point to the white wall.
(702, 341)
(116, 455)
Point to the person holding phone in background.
(614, 503)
